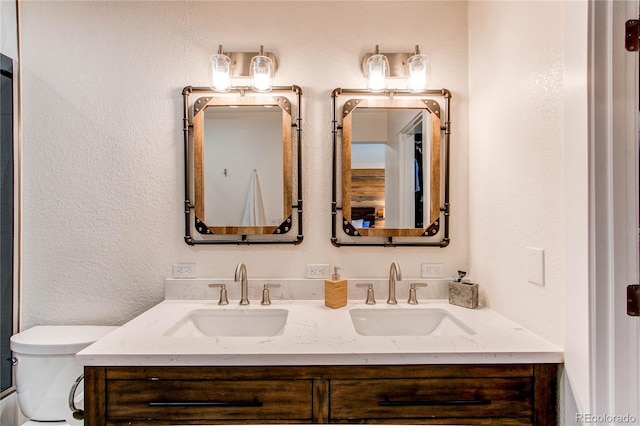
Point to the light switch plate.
(535, 265)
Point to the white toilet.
(46, 369)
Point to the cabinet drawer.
(189, 400)
(429, 398)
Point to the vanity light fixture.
(379, 67)
(259, 66)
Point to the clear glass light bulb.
(261, 73)
(220, 73)
(417, 73)
(377, 72)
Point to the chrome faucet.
(394, 274)
(241, 275)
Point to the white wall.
(516, 158)
(577, 346)
(369, 126)
(102, 141)
(366, 155)
(237, 143)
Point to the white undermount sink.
(230, 323)
(407, 322)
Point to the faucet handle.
(370, 296)
(412, 292)
(265, 293)
(223, 293)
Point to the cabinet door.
(209, 400)
(450, 398)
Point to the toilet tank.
(46, 367)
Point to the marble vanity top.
(316, 335)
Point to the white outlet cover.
(535, 265)
(184, 270)
(432, 270)
(318, 270)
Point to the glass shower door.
(6, 221)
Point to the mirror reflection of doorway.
(414, 156)
(419, 181)
(389, 168)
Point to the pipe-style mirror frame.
(195, 102)
(436, 231)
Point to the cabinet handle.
(254, 403)
(423, 403)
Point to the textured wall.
(516, 193)
(102, 139)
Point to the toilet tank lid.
(57, 339)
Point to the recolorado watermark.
(587, 418)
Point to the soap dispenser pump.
(335, 291)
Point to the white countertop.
(316, 335)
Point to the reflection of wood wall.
(367, 188)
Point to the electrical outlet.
(432, 270)
(184, 270)
(317, 270)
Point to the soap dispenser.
(335, 291)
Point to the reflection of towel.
(254, 207)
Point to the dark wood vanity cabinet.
(523, 394)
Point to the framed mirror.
(391, 155)
(242, 156)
